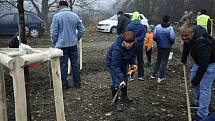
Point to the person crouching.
(120, 55)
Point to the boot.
(124, 95)
(115, 105)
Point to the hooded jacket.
(164, 35)
(118, 58)
(202, 50)
(139, 30)
(123, 21)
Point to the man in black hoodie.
(201, 46)
(123, 21)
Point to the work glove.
(123, 84)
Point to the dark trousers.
(161, 62)
(72, 54)
(140, 61)
(149, 55)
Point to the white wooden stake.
(212, 27)
(19, 90)
(187, 94)
(69, 67)
(80, 49)
(3, 102)
(58, 93)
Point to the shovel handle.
(187, 94)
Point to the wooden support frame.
(56, 75)
(212, 25)
(3, 102)
(19, 90)
(16, 65)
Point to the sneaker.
(161, 79)
(152, 76)
(141, 78)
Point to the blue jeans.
(202, 92)
(72, 54)
(161, 62)
(140, 61)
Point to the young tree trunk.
(44, 11)
(71, 2)
(23, 39)
(21, 22)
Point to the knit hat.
(129, 36)
(63, 3)
(135, 16)
(120, 13)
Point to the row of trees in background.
(45, 7)
(154, 9)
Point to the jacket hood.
(165, 25)
(135, 16)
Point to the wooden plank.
(6, 60)
(3, 102)
(81, 54)
(19, 90)
(40, 57)
(58, 93)
(212, 27)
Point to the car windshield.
(113, 17)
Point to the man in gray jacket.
(66, 30)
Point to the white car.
(109, 25)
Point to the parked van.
(9, 24)
(109, 25)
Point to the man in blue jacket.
(120, 55)
(66, 30)
(164, 36)
(140, 32)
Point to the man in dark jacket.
(201, 46)
(140, 32)
(123, 21)
(164, 36)
(120, 55)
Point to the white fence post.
(3, 102)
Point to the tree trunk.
(44, 11)
(23, 39)
(21, 22)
